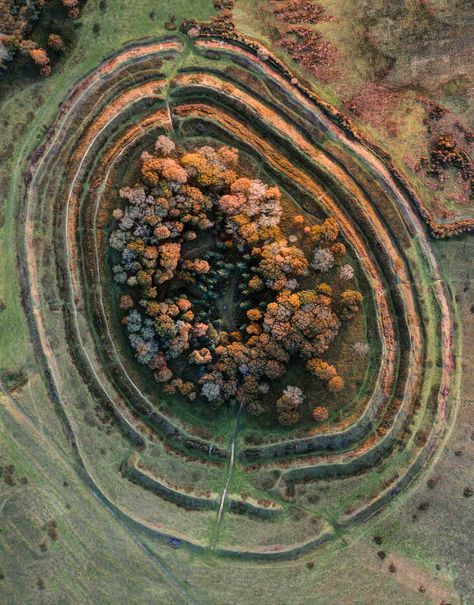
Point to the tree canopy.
(211, 284)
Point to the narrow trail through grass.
(230, 470)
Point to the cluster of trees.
(16, 23)
(212, 284)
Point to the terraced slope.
(214, 491)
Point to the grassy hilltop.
(69, 530)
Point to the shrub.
(320, 413)
(336, 384)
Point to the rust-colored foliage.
(16, 23)
(39, 56)
(55, 42)
(320, 413)
(299, 11)
(235, 220)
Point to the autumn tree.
(288, 405)
(55, 42)
(186, 232)
(320, 413)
